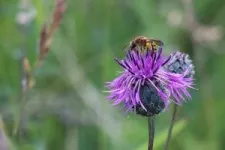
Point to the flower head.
(179, 63)
(145, 85)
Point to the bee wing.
(158, 42)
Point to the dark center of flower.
(151, 101)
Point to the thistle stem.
(171, 127)
(151, 129)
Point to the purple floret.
(148, 71)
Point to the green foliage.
(58, 113)
(160, 137)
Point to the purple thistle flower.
(145, 85)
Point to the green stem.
(171, 127)
(151, 129)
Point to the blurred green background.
(67, 108)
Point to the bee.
(143, 44)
